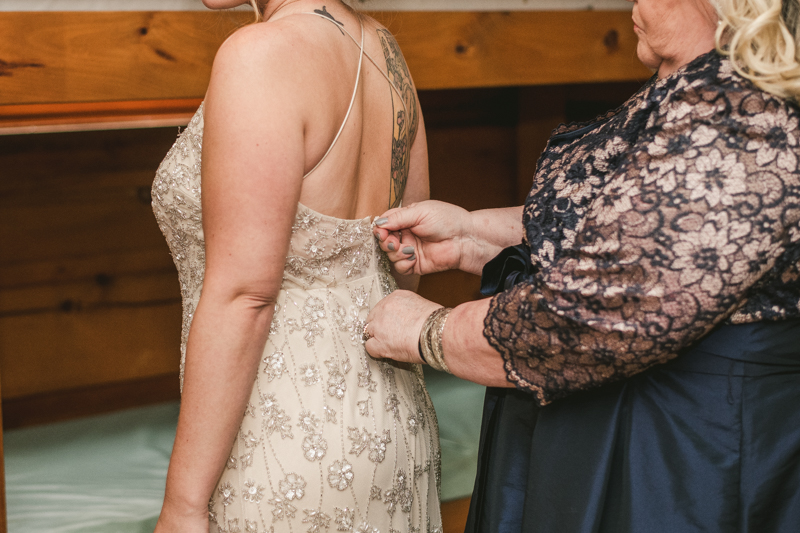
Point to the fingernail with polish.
(408, 250)
(390, 246)
(413, 257)
(381, 221)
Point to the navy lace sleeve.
(676, 214)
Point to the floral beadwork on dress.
(176, 205)
(326, 426)
(651, 225)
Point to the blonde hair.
(259, 12)
(761, 39)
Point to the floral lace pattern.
(650, 226)
(316, 439)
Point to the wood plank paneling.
(541, 109)
(88, 291)
(86, 57)
(76, 207)
(42, 352)
(102, 268)
(62, 405)
(103, 292)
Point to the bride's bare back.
(307, 68)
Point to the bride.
(310, 126)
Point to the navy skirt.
(708, 442)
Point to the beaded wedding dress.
(331, 440)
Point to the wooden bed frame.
(89, 323)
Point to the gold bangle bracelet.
(437, 334)
(430, 339)
(424, 344)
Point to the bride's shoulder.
(277, 62)
(297, 35)
(263, 42)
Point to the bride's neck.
(281, 8)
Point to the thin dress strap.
(399, 93)
(363, 53)
(355, 90)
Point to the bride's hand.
(425, 237)
(394, 325)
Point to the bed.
(89, 300)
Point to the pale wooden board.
(84, 57)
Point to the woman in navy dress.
(642, 345)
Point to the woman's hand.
(394, 325)
(435, 236)
(425, 237)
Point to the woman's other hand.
(394, 325)
(425, 237)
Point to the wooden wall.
(78, 57)
(88, 292)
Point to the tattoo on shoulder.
(324, 13)
(405, 128)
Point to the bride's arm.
(253, 162)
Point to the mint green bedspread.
(106, 474)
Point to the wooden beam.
(151, 68)
(89, 116)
